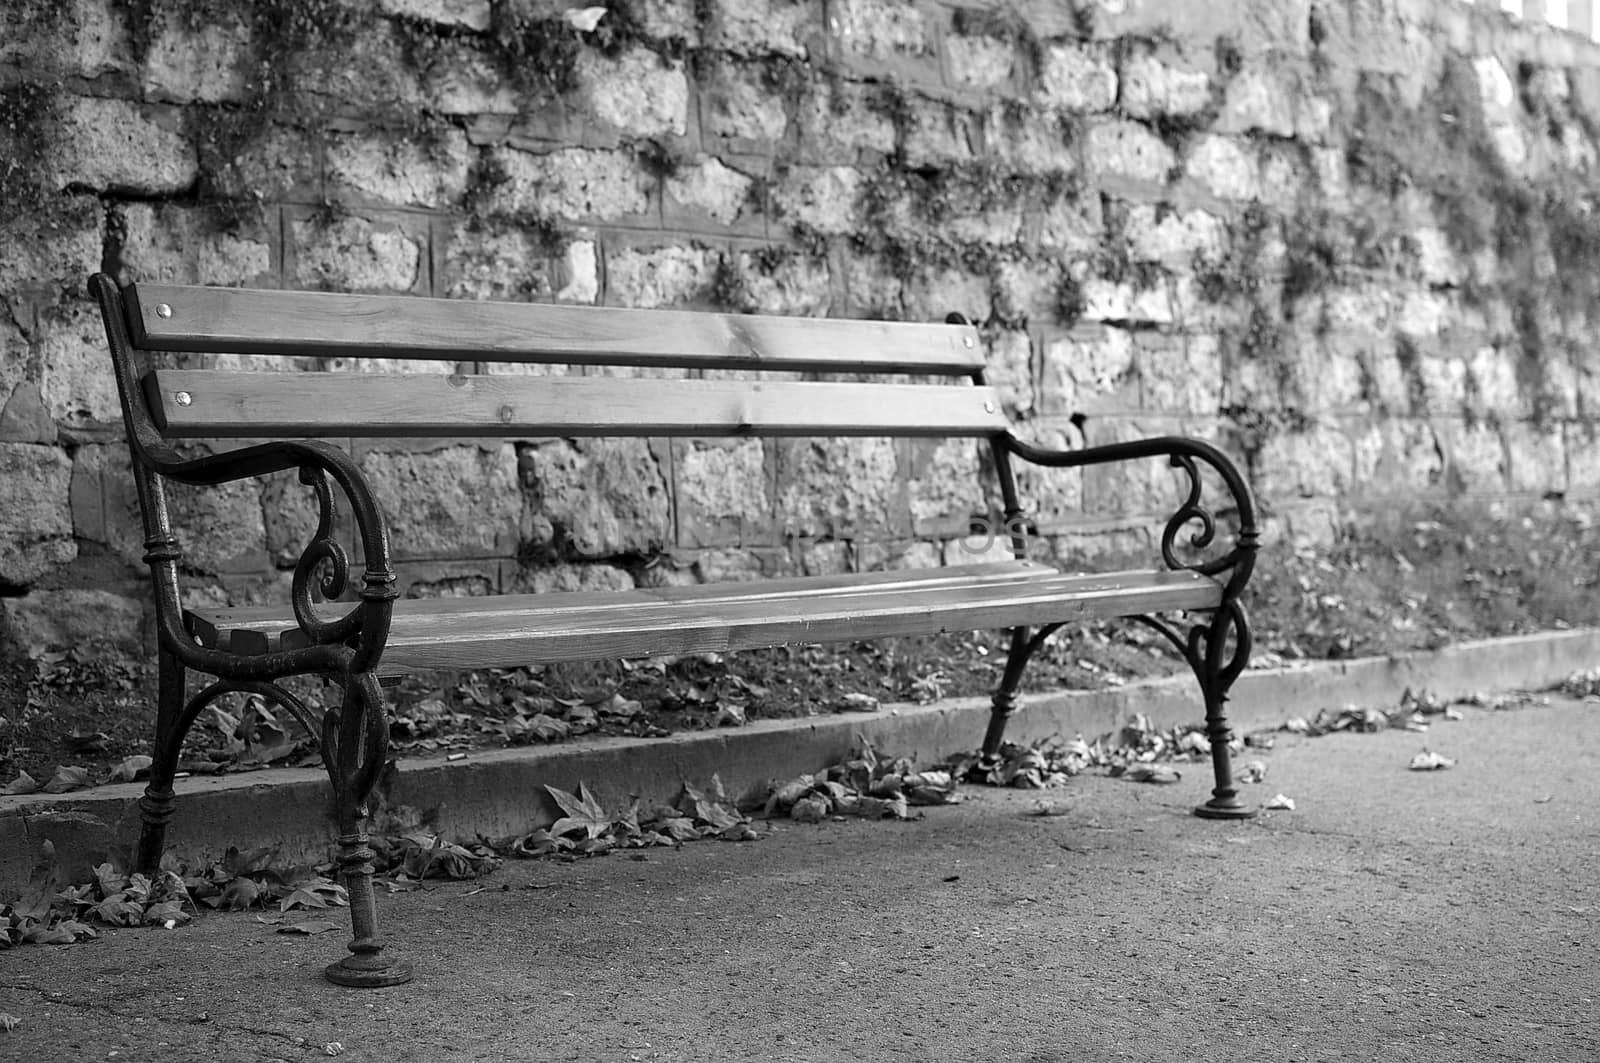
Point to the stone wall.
(1352, 241)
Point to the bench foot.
(1231, 808)
(362, 972)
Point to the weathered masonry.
(1352, 243)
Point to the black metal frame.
(345, 649)
(1216, 651)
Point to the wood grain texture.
(219, 404)
(246, 321)
(517, 630)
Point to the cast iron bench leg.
(155, 807)
(355, 746)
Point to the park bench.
(282, 421)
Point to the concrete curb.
(498, 793)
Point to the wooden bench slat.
(217, 404)
(524, 629)
(184, 318)
(266, 624)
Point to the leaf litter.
(866, 785)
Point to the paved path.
(1394, 915)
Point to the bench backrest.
(947, 397)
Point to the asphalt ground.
(1392, 915)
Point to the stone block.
(1010, 369)
(52, 252)
(979, 62)
(23, 417)
(1475, 456)
(842, 120)
(783, 283)
(736, 105)
(572, 183)
(15, 362)
(111, 145)
(353, 253)
(35, 512)
(1129, 152)
(363, 63)
(1089, 370)
(377, 168)
(75, 378)
(69, 38)
(1536, 457)
(1076, 76)
(724, 493)
(1399, 457)
(1070, 224)
(222, 529)
(593, 498)
(937, 134)
(638, 93)
(1051, 498)
(1126, 302)
(821, 557)
(170, 244)
(1027, 291)
(91, 622)
(1318, 461)
(931, 292)
(1582, 446)
(1491, 384)
(708, 188)
(762, 27)
(740, 565)
(1026, 140)
(561, 578)
(290, 516)
(872, 287)
(1178, 373)
(896, 556)
(1259, 101)
(494, 260)
(451, 579)
(1174, 237)
(1155, 85)
(841, 489)
(475, 15)
(826, 199)
(192, 61)
(578, 273)
(881, 29)
(270, 164)
(945, 485)
(455, 501)
(105, 503)
(1224, 167)
(661, 276)
(463, 80)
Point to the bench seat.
(506, 631)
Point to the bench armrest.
(366, 625)
(1183, 453)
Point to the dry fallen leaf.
(1428, 760)
(1280, 803)
(1157, 773)
(310, 926)
(9, 1022)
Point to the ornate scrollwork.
(324, 564)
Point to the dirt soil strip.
(499, 793)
